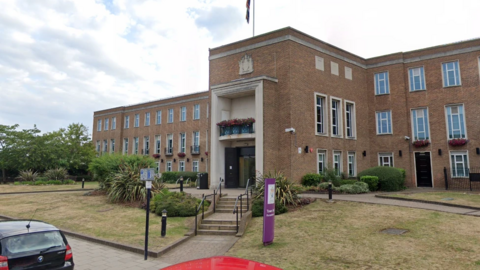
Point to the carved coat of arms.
(246, 64)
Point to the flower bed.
(421, 143)
(457, 142)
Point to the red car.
(222, 263)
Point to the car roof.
(17, 227)
(222, 263)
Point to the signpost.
(269, 211)
(147, 175)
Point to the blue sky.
(61, 60)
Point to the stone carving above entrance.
(246, 64)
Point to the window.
(105, 146)
(169, 144)
(321, 154)
(456, 122)
(451, 74)
(125, 146)
(159, 117)
(321, 113)
(417, 79)
(106, 124)
(385, 159)
(135, 145)
(195, 166)
(182, 142)
(169, 166)
(136, 122)
(384, 123)
(183, 114)
(420, 124)
(114, 123)
(157, 144)
(170, 115)
(459, 163)
(112, 145)
(337, 162)
(181, 166)
(98, 146)
(381, 83)
(350, 119)
(196, 142)
(334, 68)
(146, 145)
(127, 121)
(99, 125)
(147, 119)
(348, 73)
(319, 63)
(352, 170)
(336, 117)
(196, 112)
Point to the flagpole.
(253, 17)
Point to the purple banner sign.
(269, 211)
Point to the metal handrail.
(202, 207)
(235, 208)
(219, 187)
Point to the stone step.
(219, 221)
(222, 232)
(230, 211)
(230, 208)
(218, 227)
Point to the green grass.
(9, 188)
(459, 198)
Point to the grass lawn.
(27, 188)
(460, 198)
(345, 235)
(94, 216)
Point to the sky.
(61, 60)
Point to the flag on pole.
(248, 11)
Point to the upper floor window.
(135, 145)
(114, 122)
(157, 144)
(146, 145)
(420, 124)
(170, 115)
(321, 112)
(106, 124)
(384, 122)
(183, 114)
(196, 111)
(112, 145)
(336, 117)
(137, 120)
(196, 138)
(159, 118)
(169, 144)
(147, 119)
(127, 121)
(381, 83)
(105, 146)
(451, 74)
(417, 79)
(350, 119)
(456, 122)
(182, 142)
(125, 145)
(385, 159)
(99, 125)
(98, 146)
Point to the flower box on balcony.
(421, 143)
(457, 142)
(156, 155)
(236, 126)
(181, 154)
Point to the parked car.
(33, 245)
(221, 263)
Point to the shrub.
(42, 178)
(347, 182)
(311, 179)
(330, 174)
(257, 207)
(56, 174)
(404, 174)
(177, 204)
(323, 186)
(372, 182)
(358, 187)
(169, 177)
(284, 191)
(39, 183)
(389, 179)
(28, 175)
(53, 182)
(69, 182)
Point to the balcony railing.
(168, 151)
(235, 130)
(195, 149)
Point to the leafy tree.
(7, 136)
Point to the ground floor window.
(195, 166)
(181, 166)
(385, 159)
(351, 164)
(321, 160)
(169, 166)
(337, 162)
(459, 163)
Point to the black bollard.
(181, 183)
(164, 222)
(83, 182)
(330, 190)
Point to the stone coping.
(425, 201)
(47, 191)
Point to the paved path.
(370, 198)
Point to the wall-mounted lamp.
(439, 152)
(478, 151)
(161, 160)
(399, 153)
(174, 160)
(201, 159)
(364, 153)
(306, 149)
(188, 160)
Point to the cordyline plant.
(284, 190)
(457, 142)
(28, 175)
(236, 122)
(420, 143)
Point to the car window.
(32, 242)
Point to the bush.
(56, 174)
(69, 182)
(28, 175)
(331, 175)
(53, 182)
(347, 182)
(372, 182)
(177, 204)
(169, 177)
(357, 188)
(311, 179)
(42, 178)
(284, 192)
(257, 207)
(404, 174)
(323, 186)
(389, 179)
(39, 183)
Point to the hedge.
(312, 179)
(372, 182)
(172, 177)
(389, 178)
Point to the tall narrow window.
(147, 119)
(181, 166)
(337, 162)
(196, 111)
(98, 147)
(127, 121)
(352, 171)
(320, 111)
(183, 114)
(456, 122)
(195, 166)
(99, 125)
(417, 79)
(170, 115)
(382, 86)
(114, 123)
(106, 124)
(336, 118)
(169, 166)
(196, 142)
(137, 120)
(384, 122)
(385, 159)
(321, 159)
(182, 142)
(146, 145)
(459, 163)
(135, 145)
(125, 146)
(112, 145)
(350, 120)
(451, 74)
(157, 144)
(105, 146)
(420, 124)
(159, 117)
(169, 144)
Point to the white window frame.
(170, 143)
(99, 125)
(106, 124)
(125, 146)
(388, 120)
(196, 111)
(112, 145)
(127, 121)
(147, 119)
(135, 145)
(183, 114)
(158, 144)
(412, 76)
(464, 121)
(324, 109)
(353, 120)
(182, 142)
(391, 160)
(340, 165)
(98, 148)
(458, 153)
(168, 166)
(444, 82)
(146, 145)
(170, 116)
(181, 165)
(386, 82)
(114, 123)
(323, 153)
(195, 166)
(105, 146)
(415, 121)
(158, 119)
(136, 121)
(338, 111)
(352, 163)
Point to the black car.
(33, 245)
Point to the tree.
(77, 148)
(7, 136)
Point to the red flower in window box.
(421, 143)
(156, 155)
(457, 142)
(206, 153)
(181, 154)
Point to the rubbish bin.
(202, 181)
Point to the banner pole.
(253, 17)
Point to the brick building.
(316, 105)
